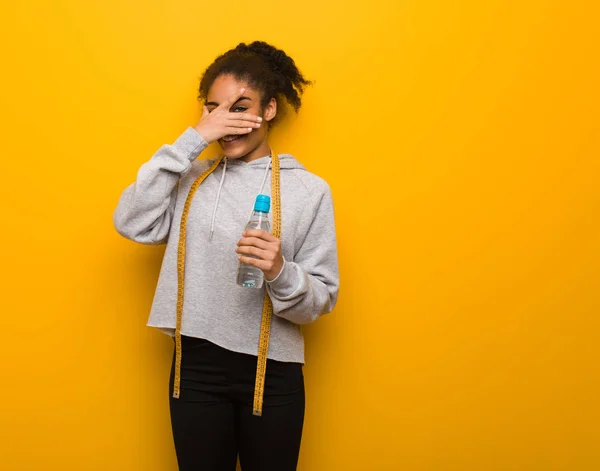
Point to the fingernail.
(260, 119)
(249, 129)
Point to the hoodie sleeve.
(307, 287)
(145, 208)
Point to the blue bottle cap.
(263, 203)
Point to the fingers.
(231, 130)
(260, 234)
(242, 124)
(205, 112)
(254, 249)
(252, 118)
(255, 252)
(253, 241)
(243, 120)
(232, 99)
(263, 265)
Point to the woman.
(221, 403)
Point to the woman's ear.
(271, 110)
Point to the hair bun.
(275, 58)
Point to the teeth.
(230, 138)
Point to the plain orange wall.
(461, 142)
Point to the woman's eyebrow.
(213, 103)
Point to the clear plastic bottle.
(248, 275)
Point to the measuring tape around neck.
(267, 313)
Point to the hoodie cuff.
(190, 143)
(286, 282)
(278, 274)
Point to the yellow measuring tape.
(267, 313)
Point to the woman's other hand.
(265, 246)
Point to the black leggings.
(212, 420)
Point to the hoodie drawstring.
(214, 215)
(265, 177)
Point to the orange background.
(461, 142)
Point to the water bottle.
(248, 275)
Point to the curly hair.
(263, 67)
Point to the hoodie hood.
(286, 161)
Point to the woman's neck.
(262, 150)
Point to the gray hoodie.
(215, 307)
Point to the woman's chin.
(235, 149)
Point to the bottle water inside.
(248, 275)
